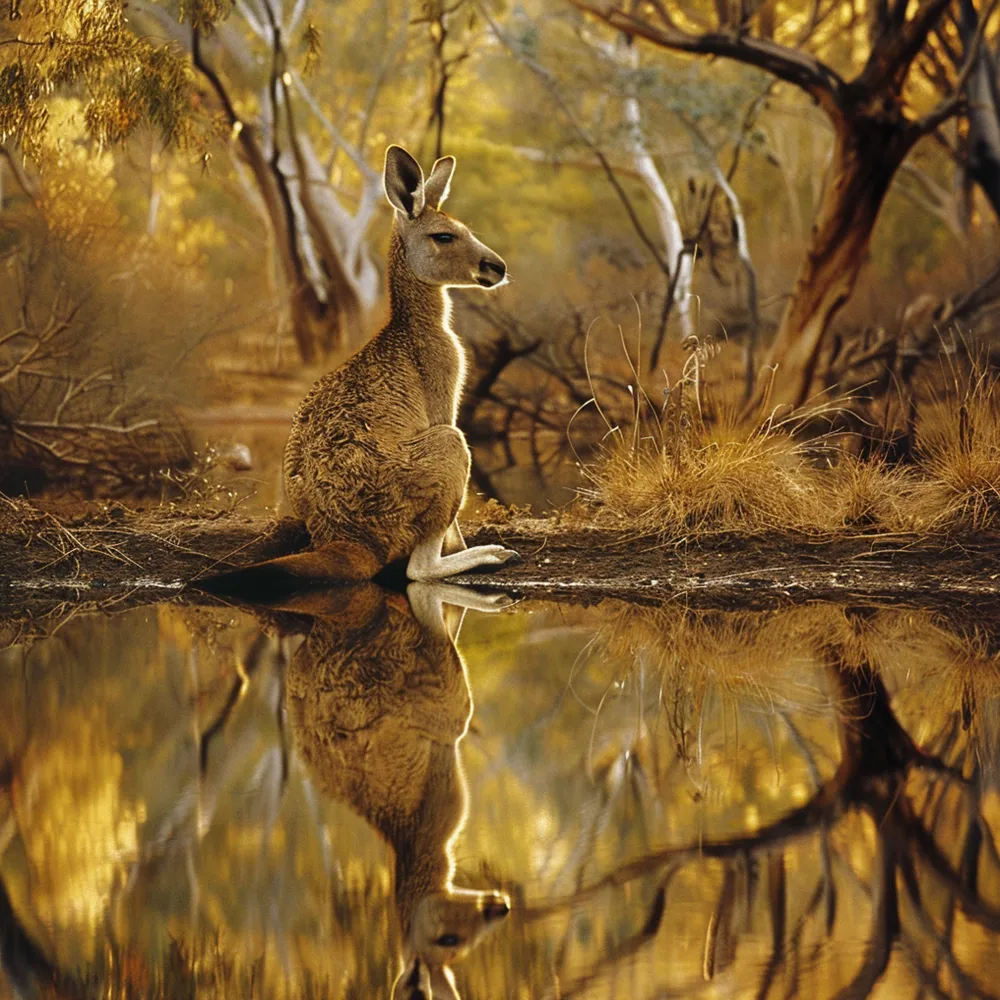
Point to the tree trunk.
(866, 155)
(984, 111)
(323, 300)
(681, 264)
(341, 312)
(316, 325)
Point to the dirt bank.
(114, 558)
(754, 572)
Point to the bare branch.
(293, 21)
(798, 68)
(896, 49)
(354, 154)
(255, 25)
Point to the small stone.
(237, 456)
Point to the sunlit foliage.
(88, 46)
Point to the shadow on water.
(301, 801)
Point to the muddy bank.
(112, 559)
(579, 563)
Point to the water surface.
(796, 803)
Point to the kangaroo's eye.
(448, 940)
(443, 237)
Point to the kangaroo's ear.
(443, 984)
(404, 182)
(414, 982)
(437, 185)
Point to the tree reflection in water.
(773, 804)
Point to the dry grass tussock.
(958, 444)
(689, 467)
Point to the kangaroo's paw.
(427, 563)
(488, 603)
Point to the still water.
(314, 799)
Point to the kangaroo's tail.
(336, 563)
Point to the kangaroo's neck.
(420, 870)
(420, 324)
(422, 840)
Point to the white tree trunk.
(666, 213)
(742, 250)
(347, 231)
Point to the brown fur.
(379, 703)
(374, 455)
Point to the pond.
(207, 800)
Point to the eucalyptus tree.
(124, 79)
(857, 64)
(302, 146)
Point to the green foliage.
(90, 50)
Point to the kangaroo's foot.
(427, 600)
(427, 563)
(422, 595)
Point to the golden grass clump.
(676, 473)
(751, 485)
(958, 445)
(869, 495)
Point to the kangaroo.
(379, 703)
(374, 457)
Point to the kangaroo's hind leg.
(440, 459)
(453, 540)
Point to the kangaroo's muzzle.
(491, 272)
(496, 908)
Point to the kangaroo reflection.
(379, 703)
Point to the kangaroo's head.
(444, 927)
(439, 250)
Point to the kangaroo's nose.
(498, 267)
(496, 909)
